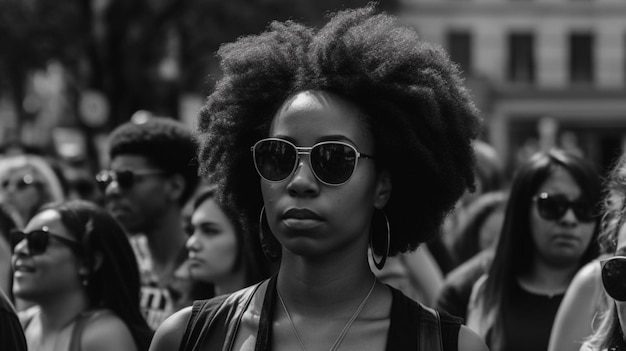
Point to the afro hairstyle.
(167, 144)
(415, 105)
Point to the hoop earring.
(270, 246)
(380, 264)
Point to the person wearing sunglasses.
(610, 272)
(331, 141)
(74, 263)
(152, 175)
(549, 232)
(27, 182)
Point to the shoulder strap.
(198, 319)
(81, 322)
(430, 338)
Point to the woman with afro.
(336, 143)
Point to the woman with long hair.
(74, 262)
(612, 320)
(332, 140)
(221, 253)
(549, 232)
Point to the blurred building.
(544, 72)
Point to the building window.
(521, 61)
(581, 57)
(460, 49)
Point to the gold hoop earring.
(270, 246)
(380, 264)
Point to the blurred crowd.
(534, 260)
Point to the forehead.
(130, 162)
(312, 116)
(50, 219)
(561, 181)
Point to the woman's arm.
(470, 341)
(572, 323)
(169, 335)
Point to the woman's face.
(20, 188)
(311, 218)
(51, 273)
(560, 242)
(213, 246)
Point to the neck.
(548, 279)
(231, 283)
(58, 312)
(323, 286)
(166, 238)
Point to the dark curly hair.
(416, 107)
(166, 143)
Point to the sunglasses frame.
(569, 205)
(107, 176)
(307, 151)
(603, 263)
(32, 250)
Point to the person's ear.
(176, 186)
(85, 270)
(383, 190)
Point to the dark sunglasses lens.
(125, 179)
(333, 163)
(37, 241)
(614, 278)
(583, 211)
(553, 207)
(274, 159)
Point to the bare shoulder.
(106, 332)
(588, 277)
(470, 341)
(169, 335)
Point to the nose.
(569, 218)
(303, 181)
(21, 249)
(193, 244)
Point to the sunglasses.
(332, 162)
(614, 277)
(553, 207)
(19, 183)
(125, 179)
(38, 240)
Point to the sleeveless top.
(214, 323)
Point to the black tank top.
(213, 323)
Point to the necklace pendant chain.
(345, 329)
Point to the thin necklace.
(343, 333)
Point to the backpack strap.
(430, 338)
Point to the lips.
(21, 266)
(301, 214)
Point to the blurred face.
(213, 245)
(309, 217)
(562, 241)
(138, 206)
(20, 188)
(51, 273)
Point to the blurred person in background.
(489, 175)
(74, 262)
(11, 332)
(596, 310)
(7, 225)
(474, 246)
(549, 232)
(221, 252)
(153, 173)
(27, 182)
